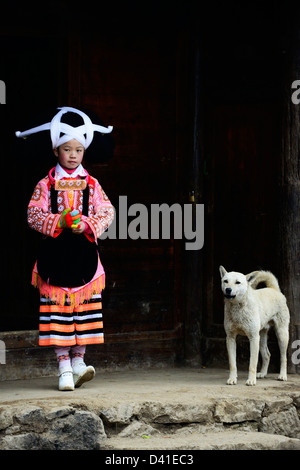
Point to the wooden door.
(242, 227)
(132, 85)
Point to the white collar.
(61, 173)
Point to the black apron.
(69, 260)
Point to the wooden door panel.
(243, 193)
(132, 86)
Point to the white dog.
(251, 312)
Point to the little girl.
(70, 208)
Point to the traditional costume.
(68, 270)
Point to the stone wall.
(215, 424)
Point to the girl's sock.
(77, 354)
(63, 359)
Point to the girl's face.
(70, 154)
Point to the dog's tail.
(260, 279)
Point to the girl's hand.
(79, 228)
(68, 218)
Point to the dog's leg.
(254, 350)
(282, 333)
(231, 349)
(265, 354)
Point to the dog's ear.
(222, 271)
(251, 276)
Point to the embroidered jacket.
(41, 219)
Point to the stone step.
(225, 440)
(175, 409)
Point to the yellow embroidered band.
(70, 185)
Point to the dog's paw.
(260, 375)
(232, 381)
(251, 382)
(282, 377)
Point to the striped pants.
(67, 326)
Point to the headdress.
(64, 124)
(62, 132)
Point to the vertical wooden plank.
(193, 194)
(289, 212)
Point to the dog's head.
(234, 285)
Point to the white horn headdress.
(84, 134)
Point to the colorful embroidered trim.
(78, 355)
(59, 295)
(64, 357)
(67, 185)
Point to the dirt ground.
(166, 385)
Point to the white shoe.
(82, 373)
(66, 381)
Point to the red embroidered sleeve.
(39, 215)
